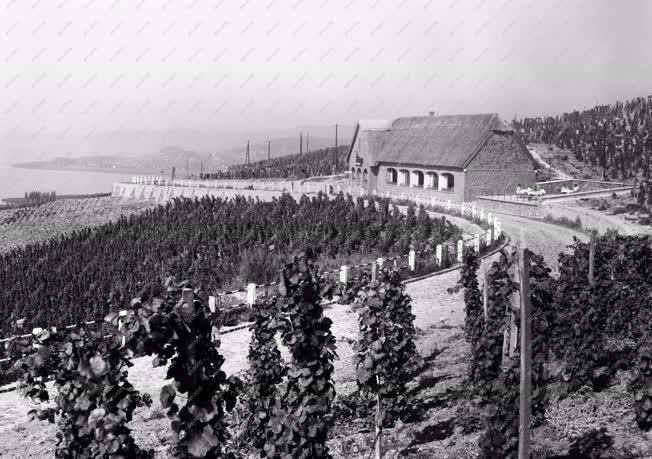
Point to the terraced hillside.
(19, 227)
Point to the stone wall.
(161, 194)
(524, 208)
(498, 168)
(290, 186)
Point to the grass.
(619, 205)
(566, 163)
(565, 221)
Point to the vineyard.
(327, 161)
(218, 244)
(288, 401)
(590, 338)
(614, 137)
(30, 225)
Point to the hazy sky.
(94, 75)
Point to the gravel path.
(542, 238)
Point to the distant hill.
(158, 163)
(282, 146)
(161, 162)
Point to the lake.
(15, 181)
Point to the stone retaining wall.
(523, 208)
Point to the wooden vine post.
(485, 288)
(592, 256)
(526, 355)
(378, 454)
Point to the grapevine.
(176, 327)
(94, 400)
(474, 326)
(298, 426)
(386, 352)
(266, 368)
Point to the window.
(432, 180)
(353, 174)
(365, 177)
(404, 177)
(447, 182)
(417, 179)
(392, 176)
(359, 176)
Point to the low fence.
(554, 186)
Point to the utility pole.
(201, 167)
(300, 142)
(247, 158)
(308, 142)
(335, 171)
(187, 167)
(269, 150)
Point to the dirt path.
(543, 238)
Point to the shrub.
(642, 387)
(594, 444)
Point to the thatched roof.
(449, 141)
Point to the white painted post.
(460, 250)
(476, 243)
(473, 212)
(344, 274)
(490, 218)
(489, 236)
(481, 215)
(374, 271)
(438, 254)
(211, 303)
(412, 260)
(251, 294)
(123, 338)
(448, 205)
(499, 229)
